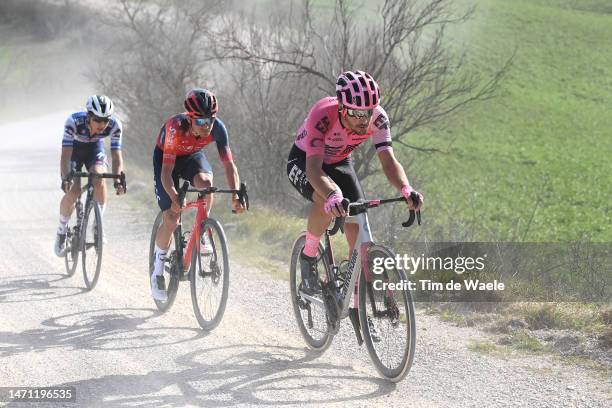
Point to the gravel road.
(117, 351)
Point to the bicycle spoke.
(91, 245)
(210, 275)
(311, 319)
(170, 264)
(387, 318)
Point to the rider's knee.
(171, 217)
(73, 194)
(203, 180)
(99, 183)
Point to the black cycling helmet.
(201, 102)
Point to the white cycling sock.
(102, 208)
(159, 263)
(63, 223)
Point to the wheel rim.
(169, 265)
(312, 319)
(395, 329)
(209, 278)
(92, 249)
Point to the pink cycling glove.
(333, 201)
(406, 190)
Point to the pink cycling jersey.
(323, 134)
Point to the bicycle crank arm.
(354, 316)
(313, 300)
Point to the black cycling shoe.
(373, 331)
(310, 278)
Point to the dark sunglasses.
(204, 121)
(98, 119)
(360, 114)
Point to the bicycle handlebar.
(243, 197)
(85, 174)
(362, 206)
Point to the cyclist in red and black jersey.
(179, 154)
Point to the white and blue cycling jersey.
(76, 130)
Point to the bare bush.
(404, 48)
(160, 53)
(43, 20)
(271, 72)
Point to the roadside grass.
(523, 341)
(521, 166)
(487, 347)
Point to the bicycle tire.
(211, 270)
(173, 280)
(395, 364)
(92, 245)
(302, 308)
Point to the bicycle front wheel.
(170, 263)
(71, 256)
(311, 316)
(209, 275)
(92, 244)
(387, 318)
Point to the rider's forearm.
(117, 161)
(168, 183)
(65, 161)
(319, 180)
(231, 175)
(396, 176)
(393, 170)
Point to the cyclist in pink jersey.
(320, 163)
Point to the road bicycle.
(188, 259)
(383, 315)
(85, 236)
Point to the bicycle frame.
(201, 215)
(356, 263)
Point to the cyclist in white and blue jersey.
(83, 145)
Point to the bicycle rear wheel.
(311, 317)
(209, 275)
(387, 318)
(92, 244)
(71, 256)
(170, 265)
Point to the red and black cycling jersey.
(177, 139)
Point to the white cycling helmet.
(100, 105)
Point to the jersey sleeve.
(317, 124)
(69, 132)
(170, 134)
(382, 132)
(116, 134)
(221, 137)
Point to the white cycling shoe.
(158, 288)
(206, 247)
(60, 245)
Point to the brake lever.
(414, 197)
(121, 182)
(243, 196)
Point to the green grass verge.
(524, 342)
(486, 347)
(539, 149)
